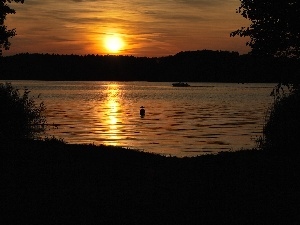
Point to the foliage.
(5, 34)
(20, 118)
(274, 29)
(54, 140)
(281, 131)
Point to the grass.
(50, 182)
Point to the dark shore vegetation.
(50, 182)
(281, 130)
(20, 117)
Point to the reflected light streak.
(112, 119)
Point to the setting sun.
(113, 44)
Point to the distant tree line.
(189, 66)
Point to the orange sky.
(125, 27)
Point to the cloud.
(146, 24)
(205, 3)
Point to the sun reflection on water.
(111, 118)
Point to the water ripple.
(207, 118)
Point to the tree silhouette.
(274, 29)
(5, 34)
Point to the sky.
(150, 28)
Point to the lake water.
(179, 121)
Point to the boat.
(181, 84)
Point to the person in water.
(142, 111)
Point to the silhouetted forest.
(189, 66)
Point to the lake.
(179, 121)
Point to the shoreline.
(57, 183)
(51, 182)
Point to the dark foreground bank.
(56, 183)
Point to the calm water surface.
(182, 121)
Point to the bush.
(281, 131)
(20, 118)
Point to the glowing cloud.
(127, 27)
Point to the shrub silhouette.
(281, 131)
(20, 117)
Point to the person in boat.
(142, 111)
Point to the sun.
(113, 43)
